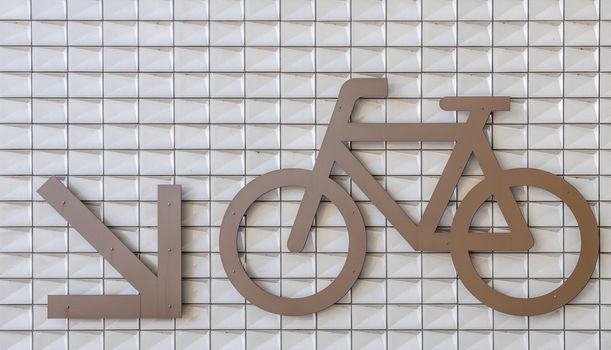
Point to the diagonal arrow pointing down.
(160, 295)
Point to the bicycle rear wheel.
(271, 302)
(558, 297)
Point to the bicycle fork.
(350, 92)
(311, 200)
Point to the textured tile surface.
(117, 96)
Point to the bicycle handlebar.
(364, 88)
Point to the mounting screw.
(169, 249)
(170, 306)
(63, 202)
(233, 271)
(233, 213)
(169, 203)
(67, 307)
(112, 248)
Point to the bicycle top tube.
(402, 131)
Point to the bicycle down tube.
(469, 138)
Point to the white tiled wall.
(117, 96)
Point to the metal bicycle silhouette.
(469, 138)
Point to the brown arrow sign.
(160, 294)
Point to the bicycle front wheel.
(570, 287)
(357, 243)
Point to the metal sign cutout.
(469, 139)
(160, 295)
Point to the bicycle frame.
(460, 241)
(469, 138)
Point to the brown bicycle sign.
(469, 138)
(160, 294)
